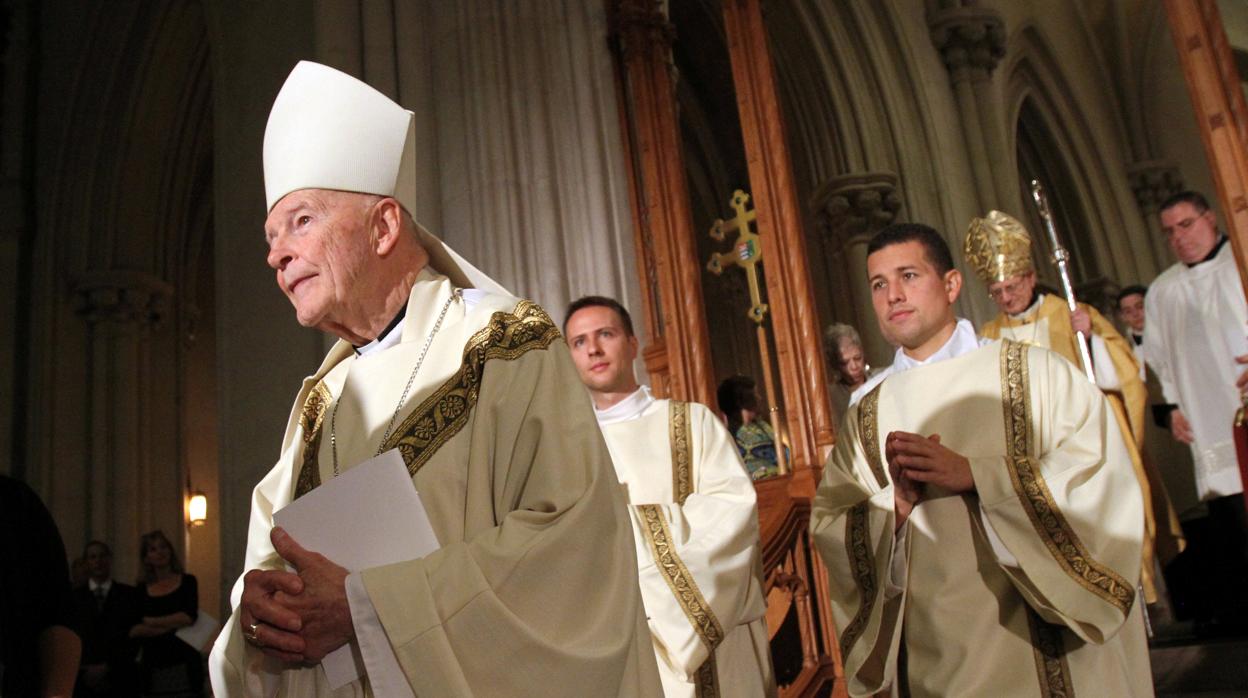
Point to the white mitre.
(328, 130)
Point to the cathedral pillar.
(131, 479)
(971, 42)
(1152, 182)
(678, 350)
(851, 208)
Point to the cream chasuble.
(532, 591)
(1195, 319)
(695, 519)
(1047, 324)
(1025, 588)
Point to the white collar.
(962, 341)
(625, 410)
(383, 342)
(105, 585)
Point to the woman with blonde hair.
(169, 600)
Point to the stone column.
(850, 209)
(1153, 181)
(131, 479)
(971, 42)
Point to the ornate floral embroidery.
(1062, 541)
(867, 420)
(1052, 668)
(862, 560)
(682, 470)
(706, 682)
(684, 588)
(310, 420)
(507, 337)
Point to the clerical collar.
(105, 585)
(1212, 253)
(962, 341)
(627, 409)
(388, 337)
(1137, 338)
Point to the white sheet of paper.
(199, 633)
(368, 516)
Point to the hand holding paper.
(322, 605)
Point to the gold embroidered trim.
(310, 420)
(1052, 669)
(1062, 541)
(706, 682)
(679, 580)
(867, 421)
(682, 470)
(507, 336)
(862, 560)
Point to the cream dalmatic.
(1025, 587)
(695, 519)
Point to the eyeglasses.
(1011, 289)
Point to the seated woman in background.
(169, 600)
(848, 363)
(756, 441)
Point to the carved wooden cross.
(747, 252)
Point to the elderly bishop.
(693, 511)
(533, 591)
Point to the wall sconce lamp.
(197, 508)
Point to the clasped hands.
(915, 461)
(296, 617)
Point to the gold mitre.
(998, 247)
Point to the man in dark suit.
(107, 609)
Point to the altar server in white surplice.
(693, 513)
(532, 591)
(979, 515)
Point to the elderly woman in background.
(848, 363)
(169, 600)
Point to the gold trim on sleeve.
(310, 420)
(862, 562)
(868, 416)
(679, 580)
(682, 469)
(1046, 517)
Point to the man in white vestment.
(693, 512)
(979, 515)
(1197, 319)
(1130, 306)
(532, 592)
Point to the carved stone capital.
(854, 206)
(971, 40)
(641, 26)
(1153, 181)
(122, 298)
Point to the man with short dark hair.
(1196, 317)
(693, 514)
(533, 589)
(979, 510)
(107, 609)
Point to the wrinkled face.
(99, 562)
(913, 301)
(319, 247)
(1014, 295)
(157, 553)
(1190, 232)
(602, 349)
(852, 364)
(1131, 310)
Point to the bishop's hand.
(1081, 321)
(324, 614)
(925, 460)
